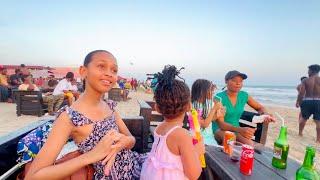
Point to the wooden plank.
(152, 104)
(139, 128)
(266, 158)
(29, 98)
(143, 104)
(229, 170)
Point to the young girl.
(95, 126)
(202, 92)
(173, 156)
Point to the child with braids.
(202, 92)
(173, 156)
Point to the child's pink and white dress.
(161, 162)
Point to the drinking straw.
(282, 119)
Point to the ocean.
(273, 95)
(267, 95)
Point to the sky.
(272, 41)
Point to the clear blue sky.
(272, 41)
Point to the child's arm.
(128, 141)
(42, 167)
(214, 114)
(189, 154)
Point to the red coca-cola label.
(247, 154)
(246, 161)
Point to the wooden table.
(223, 168)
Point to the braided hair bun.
(171, 95)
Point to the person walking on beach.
(298, 89)
(309, 99)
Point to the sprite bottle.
(281, 150)
(307, 170)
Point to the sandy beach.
(9, 122)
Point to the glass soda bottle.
(307, 170)
(281, 150)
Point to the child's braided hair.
(172, 96)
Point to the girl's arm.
(189, 154)
(261, 110)
(212, 116)
(204, 123)
(42, 167)
(255, 105)
(127, 141)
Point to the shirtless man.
(298, 89)
(309, 99)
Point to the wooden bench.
(139, 128)
(220, 166)
(29, 103)
(116, 94)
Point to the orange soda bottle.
(229, 137)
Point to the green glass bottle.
(307, 170)
(281, 150)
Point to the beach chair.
(29, 103)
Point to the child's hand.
(221, 112)
(199, 147)
(120, 141)
(103, 148)
(218, 111)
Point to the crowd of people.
(105, 142)
(54, 90)
(173, 146)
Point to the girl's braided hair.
(171, 95)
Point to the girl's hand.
(218, 111)
(269, 118)
(199, 147)
(120, 142)
(103, 148)
(221, 113)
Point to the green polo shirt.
(233, 113)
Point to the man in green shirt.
(234, 100)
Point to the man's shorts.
(309, 107)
